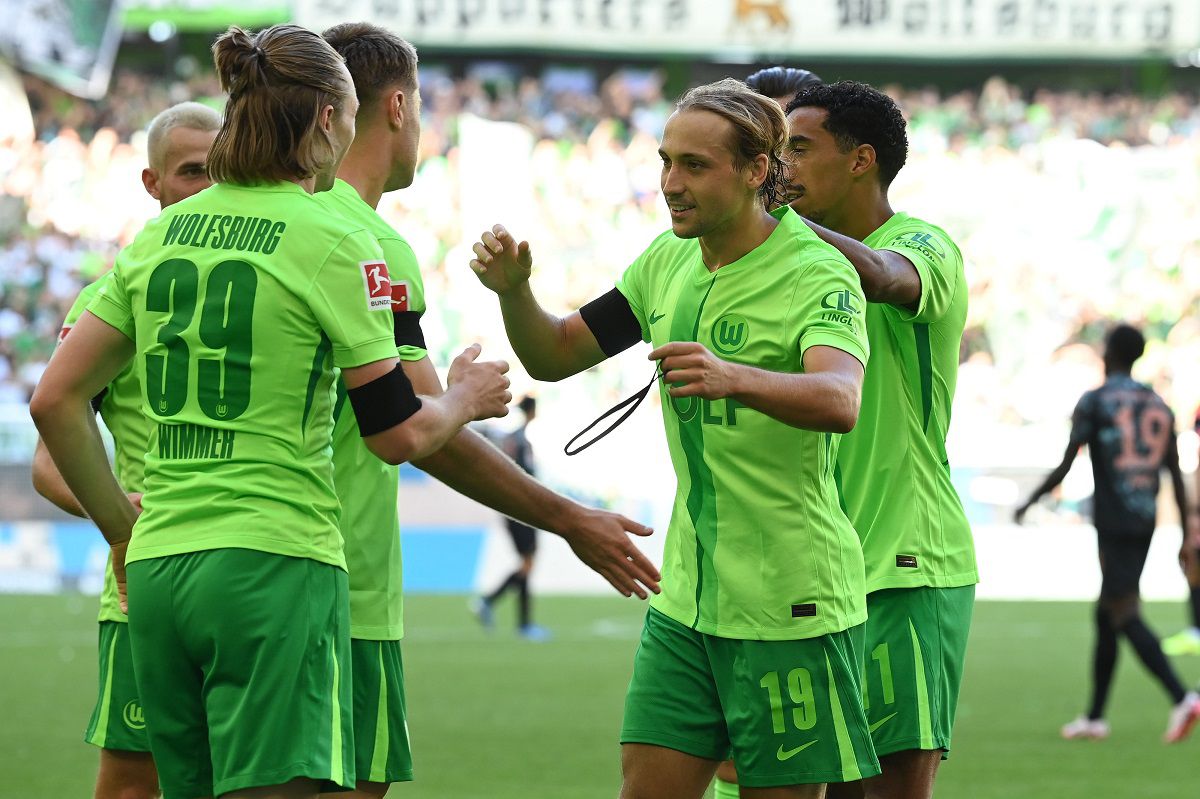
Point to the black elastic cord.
(632, 401)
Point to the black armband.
(408, 329)
(612, 322)
(384, 402)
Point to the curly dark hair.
(859, 114)
(1124, 345)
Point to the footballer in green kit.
(847, 141)
(234, 306)
(383, 158)
(753, 647)
(177, 141)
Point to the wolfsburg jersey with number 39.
(366, 486)
(893, 470)
(121, 410)
(240, 301)
(757, 547)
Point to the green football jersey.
(366, 486)
(121, 409)
(757, 546)
(893, 471)
(238, 322)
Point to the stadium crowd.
(1071, 209)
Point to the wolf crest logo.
(774, 12)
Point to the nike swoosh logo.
(655, 316)
(788, 754)
(882, 721)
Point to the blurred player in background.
(516, 445)
(238, 303)
(1187, 640)
(177, 143)
(753, 648)
(383, 158)
(1130, 435)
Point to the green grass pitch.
(494, 717)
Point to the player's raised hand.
(501, 262)
(601, 540)
(692, 371)
(486, 381)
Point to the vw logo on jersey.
(730, 333)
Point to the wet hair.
(192, 116)
(377, 58)
(1124, 345)
(278, 81)
(781, 81)
(759, 128)
(858, 114)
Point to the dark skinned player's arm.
(886, 276)
(1052, 480)
(1171, 462)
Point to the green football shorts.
(916, 646)
(381, 750)
(117, 721)
(788, 712)
(243, 663)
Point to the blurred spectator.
(1072, 210)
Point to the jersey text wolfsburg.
(893, 471)
(757, 547)
(366, 486)
(237, 335)
(121, 410)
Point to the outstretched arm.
(550, 347)
(475, 468)
(886, 276)
(1050, 483)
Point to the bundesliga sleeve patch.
(400, 296)
(377, 284)
(63, 333)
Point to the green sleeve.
(358, 326)
(938, 263)
(633, 285)
(81, 303)
(828, 309)
(111, 303)
(408, 290)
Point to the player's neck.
(365, 169)
(861, 216)
(734, 240)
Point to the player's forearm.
(886, 277)
(440, 419)
(537, 337)
(50, 484)
(475, 468)
(68, 427)
(827, 402)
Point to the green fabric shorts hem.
(916, 642)
(382, 753)
(118, 721)
(786, 712)
(243, 662)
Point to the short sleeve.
(939, 265)
(408, 290)
(81, 303)
(352, 300)
(1083, 420)
(633, 285)
(828, 309)
(111, 303)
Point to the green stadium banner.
(205, 15)
(71, 43)
(743, 29)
